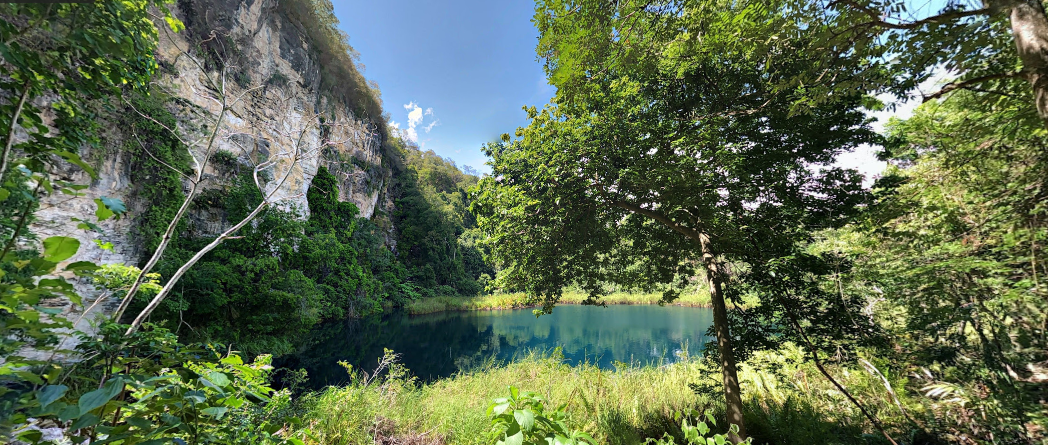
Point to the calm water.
(438, 345)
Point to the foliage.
(76, 54)
(155, 389)
(906, 45)
(666, 156)
(155, 154)
(615, 407)
(786, 402)
(697, 434)
(436, 235)
(524, 419)
(283, 275)
(954, 249)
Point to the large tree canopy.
(673, 150)
(997, 48)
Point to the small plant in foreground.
(696, 434)
(521, 419)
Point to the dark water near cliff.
(438, 345)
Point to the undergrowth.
(787, 401)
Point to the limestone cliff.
(269, 65)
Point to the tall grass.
(787, 401)
(618, 407)
(518, 301)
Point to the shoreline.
(498, 302)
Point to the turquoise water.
(438, 345)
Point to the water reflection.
(438, 345)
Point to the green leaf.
(218, 378)
(60, 248)
(114, 204)
(140, 423)
(4, 194)
(81, 266)
(99, 397)
(75, 159)
(215, 411)
(30, 436)
(68, 413)
(102, 212)
(50, 393)
(500, 408)
(516, 439)
(84, 421)
(525, 418)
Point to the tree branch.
(965, 84)
(878, 18)
(686, 231)
(11, 130)
(825, 373)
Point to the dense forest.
(691, 146)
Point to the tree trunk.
(1030, 31)
(732, 393)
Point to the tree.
(995, 47)
(954, 252)
(667, 146)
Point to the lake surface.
(438, 345)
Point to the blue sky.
(454, 74)
(457, 72)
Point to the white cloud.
(415, 117)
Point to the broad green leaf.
(102, 212)
(81, 266)
(84, 421)
(218, 378)
(30, 436)
(68, 413)
(525, 418)
(215, 411)
(50, 393)
(516, 439)
(114, 204)
(99, 397)
(75, 159)
(60, 248)
(140, 423)
(500, 408)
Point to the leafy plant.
(523, 419)
(696, 432)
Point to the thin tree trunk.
(1030, 31)
(732, 392)
(155, 302)
(169, 234)
(11, 131)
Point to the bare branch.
(965, 84)
(144, 149)
(879, 20)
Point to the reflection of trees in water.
(438, 345)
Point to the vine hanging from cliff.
(155, 156)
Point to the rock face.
(275, 120)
